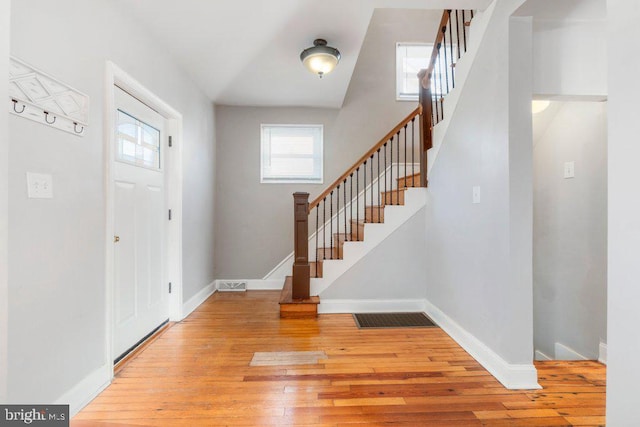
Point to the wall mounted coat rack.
(39, 97)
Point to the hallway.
(198, 374)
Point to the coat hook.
(46, 118)
(15, 102)
(75, 128)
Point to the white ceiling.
(246, 52)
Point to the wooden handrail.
(436, 48)
(366, 156)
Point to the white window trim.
(292, 180)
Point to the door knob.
(116, 239)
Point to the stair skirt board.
(283, 268)
(392, 320)
(512, 376)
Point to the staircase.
(346, 224)
(373, 214)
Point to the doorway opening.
(570, 230)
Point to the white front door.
(140, 222)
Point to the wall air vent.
(232, 285)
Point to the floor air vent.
(393, 320)
(232, 285)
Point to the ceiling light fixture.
(538, 106)
(320, 59)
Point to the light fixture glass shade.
(538, 106)
(320, 59)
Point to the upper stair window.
(291, 154)
(413, 57)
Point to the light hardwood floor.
(197, 374)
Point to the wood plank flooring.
(197, 374)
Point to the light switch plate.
(569, 170)
(39, 186)
(476, 194)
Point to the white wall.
(623, 373)
(394, 270)
(570, 228)
(4, 166)
(479, 255)
(569, 58)
(369, 112)
(57, 246)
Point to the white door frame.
(116, 76)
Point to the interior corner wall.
(254, 226)
(568, 58)
(474, 251)
(570, 229)
(5, 9)
(56, 255)
(623, 315)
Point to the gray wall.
(479, 255)
(570, 228)
(623, 373)
(254, 226)
(57, 246)
(4, 166)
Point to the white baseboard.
(602, 356)
(515, 377)
(565, 353)
(86, 390)
(197, 299)
(265, 284)
(369, 305)
(541, 356)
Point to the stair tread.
(287, 292)
(417, 174)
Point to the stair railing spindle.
(358, 203)
(405, 155)
(385, 166)
(458, 32)
(364, 190)
(351, 205)
(453, 70)
(398, 175)
(378, 173)
(344, 195)
(371, 164)
(331, 225)
(317, 228)
(464, 30)
(446, 62)
(324, 228)
(413, 152)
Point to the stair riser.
(395, 197)
(327, 253)
(374, 214)
(409, 181)
(357, 231)
(313, 267)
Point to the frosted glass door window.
(137, 142)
